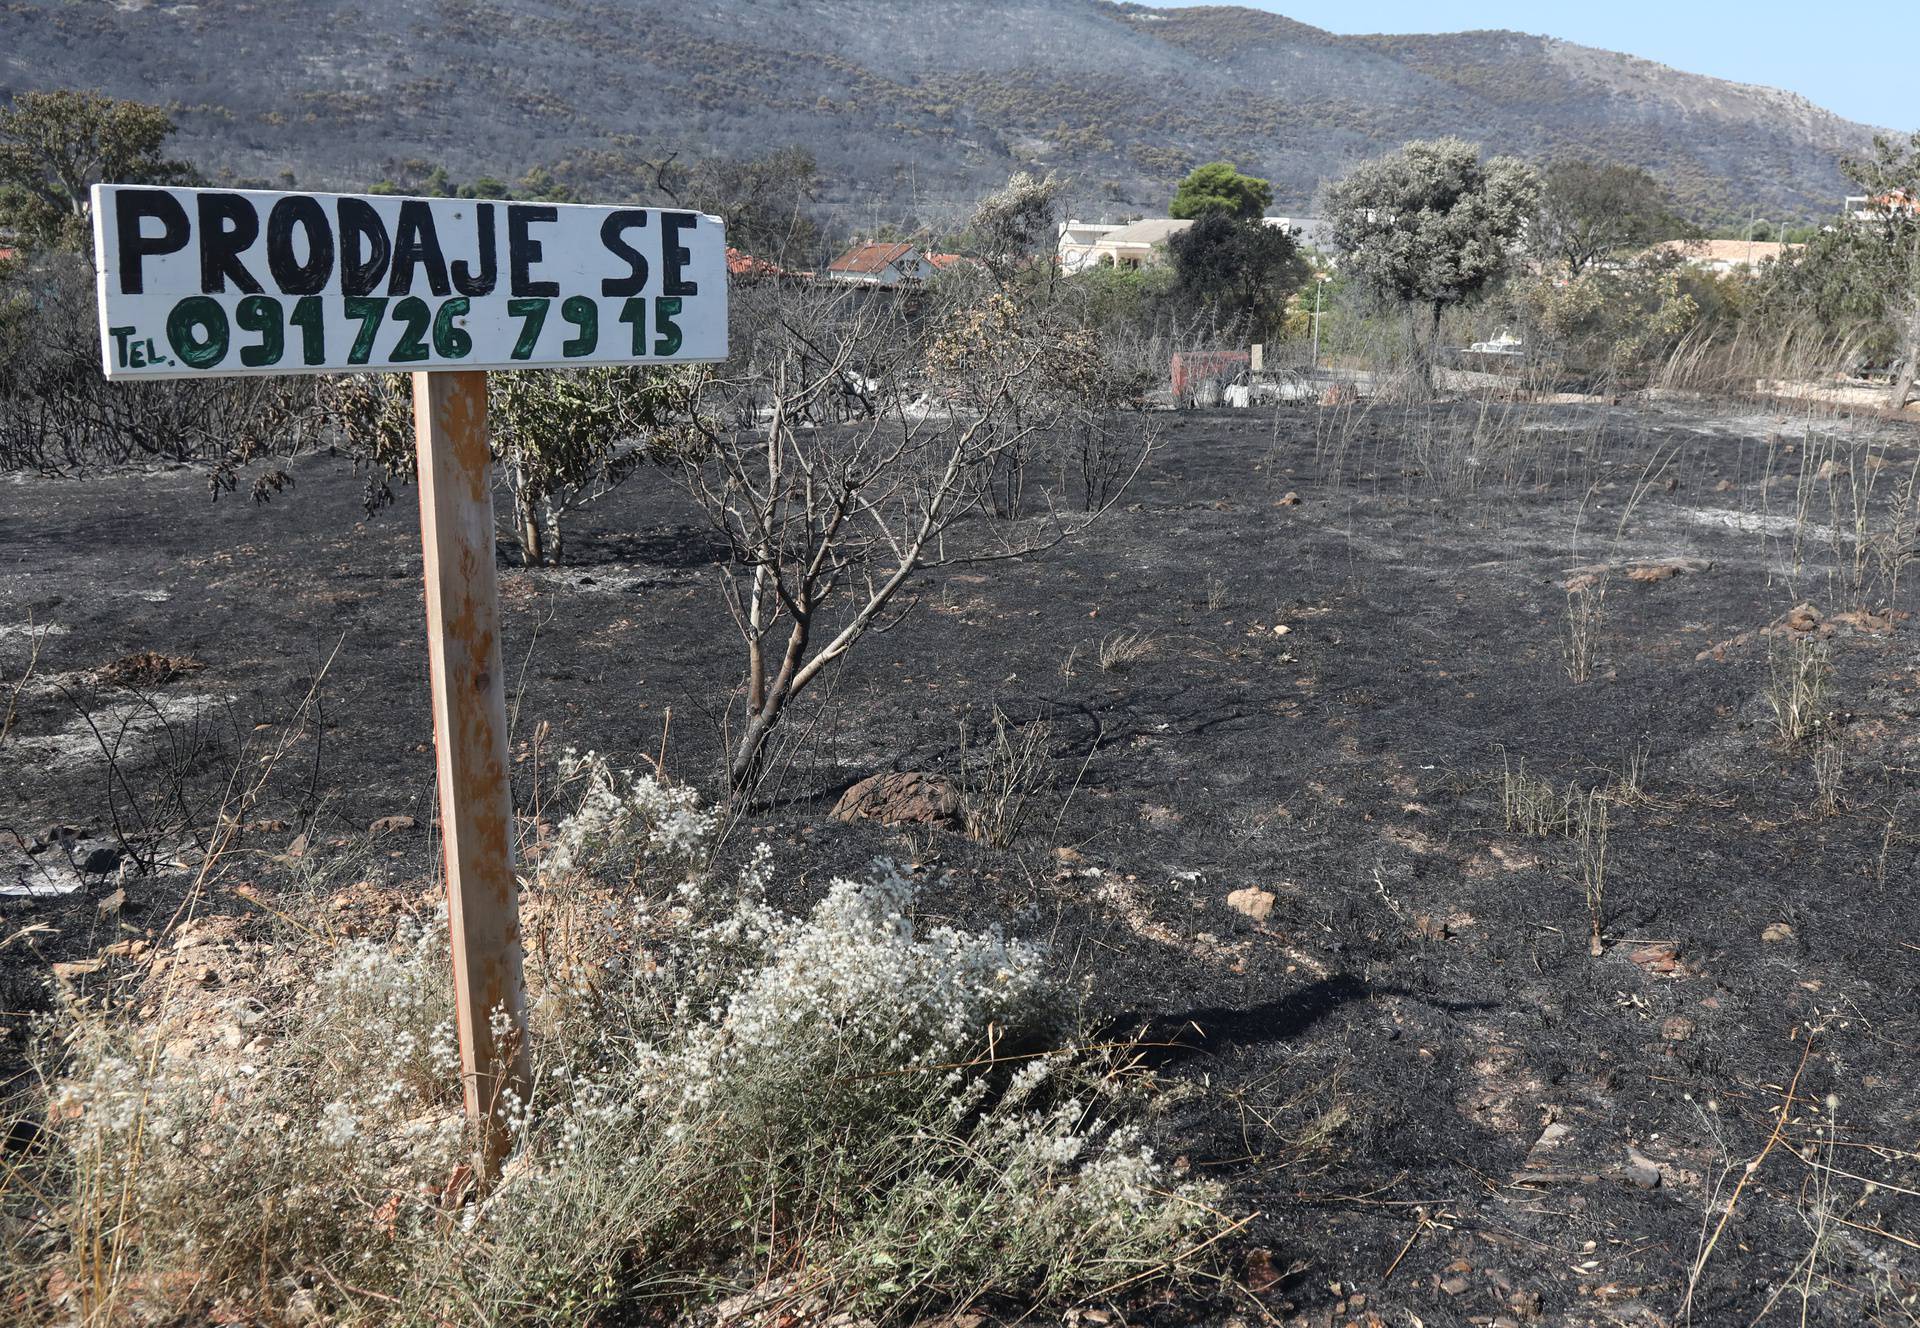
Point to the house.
(883, 265)
(1143, 243)
(1137, 244)
(1875, 207)
(1724, 256)
(744, 267)
(1078, 246)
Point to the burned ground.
(1346, 626)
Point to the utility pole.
(1319, 285)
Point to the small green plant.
(1579, 647)
(1544, 809)
(1829, 770)
(1001, 775)
(1628, 786)
(1799, 685)
(1590, 814)
(1537, 807)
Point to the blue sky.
(1854, 57)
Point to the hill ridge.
(910, 109)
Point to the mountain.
(911, 108)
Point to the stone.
(1261, 1274)
(1659, 957)
(1641, 1171)
(1253, 902)
(1576, 579)
(1802, 618)
(902, 798)
(392, 825)
(1454, 1286)
(1666, 569)
(1526, 1305)
(1291, 500)
(1676, 1028)
(1724, 486)
(1777, 933)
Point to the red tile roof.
(870, 258)
(746, 265)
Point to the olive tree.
(562, 437)
(1867, 270)
(55, 146)
(1238, 271)
(1013, 226)
(1590, 210)
(1430, 226)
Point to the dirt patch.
(146, 668)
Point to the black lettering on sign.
(415, 243)
(674, 255)
(228, 226)
(290, 274)
(364, 248)
(463, 279)
(523, 251)
(130, 208)
(612, 235)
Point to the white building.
(885, 265)
(1137, 244)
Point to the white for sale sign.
(196, 283)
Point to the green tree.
(1430, 226)
(1860, 280)
(55, 146)
(1240, 271)
(1219, 187)
(1591, 210)
(563, 437)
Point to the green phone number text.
(201, 335)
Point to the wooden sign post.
(470, 749)
(202, 283)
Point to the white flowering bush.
(890, 1112)
(626, 823)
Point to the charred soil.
(1303, 665)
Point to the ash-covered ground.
(1330, 639)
